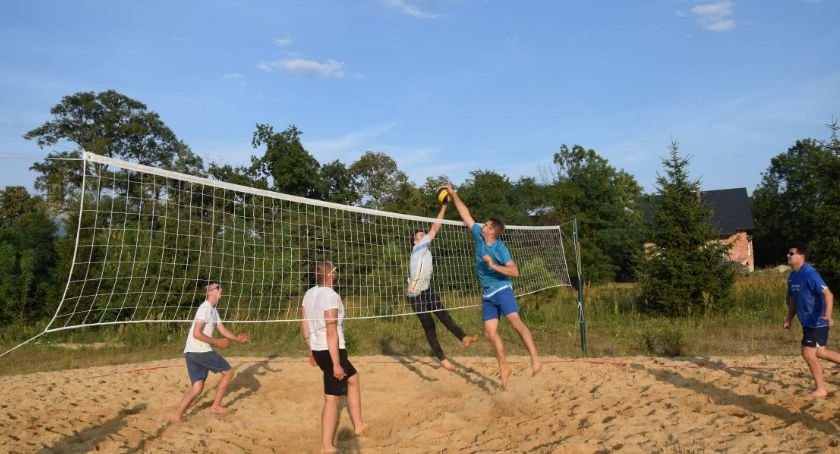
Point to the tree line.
(682, 274)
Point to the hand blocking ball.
(443, 195)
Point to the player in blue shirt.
(495, 268)
(812, 302)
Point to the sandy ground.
(755, 404)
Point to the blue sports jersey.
(490, 279)
(806, 287)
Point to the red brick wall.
(741, 250)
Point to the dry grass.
(613, 328)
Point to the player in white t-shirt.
(322, 323)
(422, 297)
(200, 357)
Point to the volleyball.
(443, 196)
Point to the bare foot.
(819, 394)
(218, 410)
(174, 419)
(447, 365)
(331, 449)
(358, 431)
(536, 367)
(469, 340)
(506, 371)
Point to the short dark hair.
(322, 270)
(416, 231)
(802, 248)
(211, 282)
(498, 225)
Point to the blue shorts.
(814, 337)
(200, 363)
(500, 303)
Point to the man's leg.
(194, 391)
(527, 340)
(828, 355)
(810, 355)
(329, 416)
(354, 403)
(491, 331)
(431, 336)
(227, 376)
(453, 328)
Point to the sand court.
(745, 404)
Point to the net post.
(76, 242)
(579, 271)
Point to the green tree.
(241, 175)
(785, 203)
(491, 194)
(409, 199)
(285, 163)
(606, 203)
(15, 201)
(685, 272)
(27, 255)
(109, 124)
(378, 179)
(826, 244)
(337, 184)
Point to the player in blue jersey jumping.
(495, 268)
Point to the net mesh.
(149, 239)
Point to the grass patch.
(613, 327)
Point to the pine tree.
(685, 272)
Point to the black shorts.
(426, 301)
(332, 386)
(814, 337)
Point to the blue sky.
(442, 86)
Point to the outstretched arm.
(436, 226)
(463, 211)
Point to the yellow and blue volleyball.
(443, 195)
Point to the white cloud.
(239, 78)
(329, 69)
(715, 16)
(721, 25)
(283, 42)
(354, 142)
(406, 8)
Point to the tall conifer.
(685, 272)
